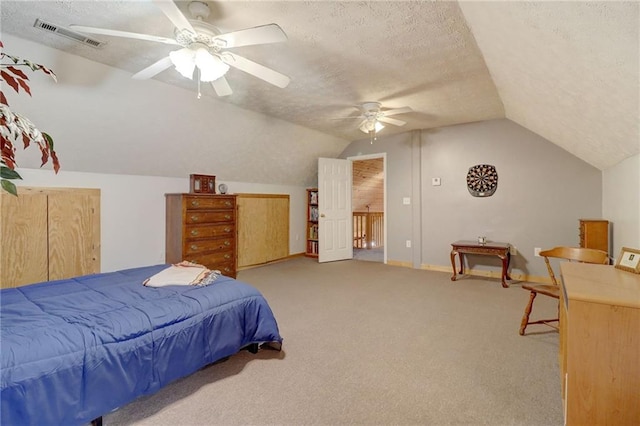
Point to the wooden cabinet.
(48, 234)
(263, 228)
(594, 234)
(600, 345)
(312, 222)
(201, 228)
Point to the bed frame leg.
(253, 348)
(97, 421)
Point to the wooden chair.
(575, 254)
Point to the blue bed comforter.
(73, 350)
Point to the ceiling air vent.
(65, 32)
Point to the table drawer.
(204, 203)
(205, 246)
(210, 231)
(209, 216)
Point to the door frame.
(382, 155)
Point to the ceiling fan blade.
(393, 121)
(270, 33)
(255, 69)
(221, 86)
(397, 111)
(116, 33)
(174, 14)
(153, 69)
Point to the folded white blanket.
(183, 273)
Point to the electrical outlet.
(536, 251)
(408, 243)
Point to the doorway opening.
(368, 206)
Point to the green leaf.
(9, 187)
(49, 140)
(7, 173)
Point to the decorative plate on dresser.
(201, 228)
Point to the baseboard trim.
(399, 263)
(284, 259)
(489, 274)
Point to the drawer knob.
(194, 218)
(227, 243)
(227, 256)
(194, 232)
(227, 229)
(226, 216)
(194, 247)
(227, 203)
(195, 203)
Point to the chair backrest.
(576, 254)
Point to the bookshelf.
(312, 222)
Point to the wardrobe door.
(23, 233)
(263, 228)
(252, 224)
(74, 233)
(277, 233)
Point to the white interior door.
(335, 239)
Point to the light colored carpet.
(371, 255)
(367, 343)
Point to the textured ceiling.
(565, 70)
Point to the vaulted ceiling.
(568, 71)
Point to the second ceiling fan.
(204, 49)
(373, 116)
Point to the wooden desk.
(600, 345)
(490, 248)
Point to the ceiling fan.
(203, 48)
(373, 116)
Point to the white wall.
(621, 203)
(132, 212)
(542, 193)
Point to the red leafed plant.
(15, 127)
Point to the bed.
(74, 350)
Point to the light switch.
(406, 201)
(435, 181)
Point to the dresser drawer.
(228, 269)
(207, 203)
(210, 231)
(214, 260)
(209, 216)
(205, 246)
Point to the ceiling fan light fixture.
(210, 66)
(184, 61)
(371, 126)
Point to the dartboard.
(482, 180)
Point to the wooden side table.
(490, 248)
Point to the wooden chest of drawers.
(594, 233)
(201, 228)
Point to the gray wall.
(542, 192)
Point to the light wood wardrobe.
(48, 234)
(263, 228)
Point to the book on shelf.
(313, 197)
(313, 247)
(313, 232)
(313, 213)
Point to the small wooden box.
(202, 184)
